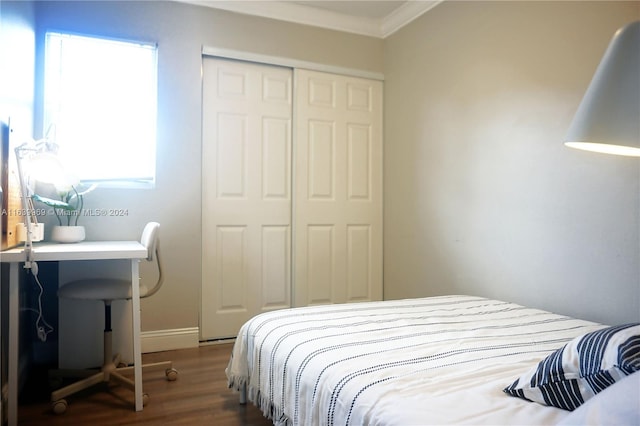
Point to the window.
(100, 96)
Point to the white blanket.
(438, 360)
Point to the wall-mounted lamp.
(608, 118)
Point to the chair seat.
(99, 289)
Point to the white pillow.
(619, 404)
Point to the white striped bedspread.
(436, 360)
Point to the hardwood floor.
(199, 397)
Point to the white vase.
(67, 234)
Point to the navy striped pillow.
(582, 368)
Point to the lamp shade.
(45, 167)
(608, 118)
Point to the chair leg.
(166, 366)
(78, 386)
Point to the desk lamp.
(608, 118)
(42, 150)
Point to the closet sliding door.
(338, 195)
(291, 191)
(246, 193)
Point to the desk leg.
(137, 349)
(14, 342)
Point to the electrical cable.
(43, 328)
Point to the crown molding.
(404, 15)
(307, 15)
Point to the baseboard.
(223, 341)
(167, 340)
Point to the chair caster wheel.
(145, 399)
(172, 374)
(59, 406)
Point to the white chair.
(107, 290)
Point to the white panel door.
(246, 210)
(338, 195)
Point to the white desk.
(88, 250)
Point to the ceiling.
(356, 8)
(372, 18)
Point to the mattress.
(437, 360)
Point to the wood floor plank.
(199, 397)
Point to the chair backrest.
(151, 240)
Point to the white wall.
(481, 196)
(17, 58)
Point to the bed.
(437, 360)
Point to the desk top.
(85, 250)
